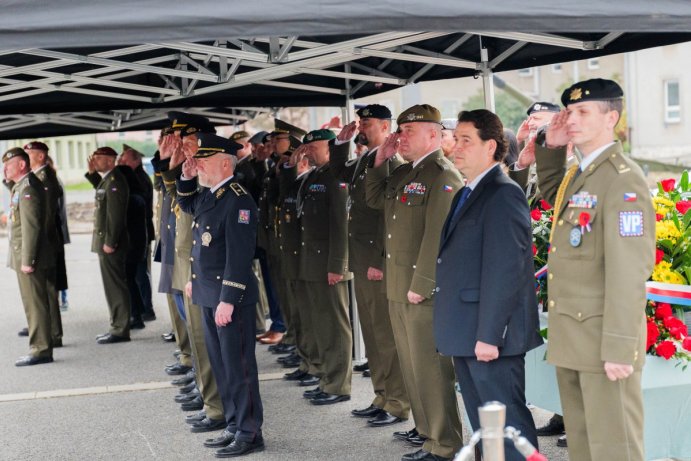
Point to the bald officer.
(225, 286)
(416, 197)
(30, 256)
(110, 240)
(602, 252)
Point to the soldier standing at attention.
(416, 198)
(366, 258)
(110, 240)
(30, 255)
(225, 286)
(602, 252)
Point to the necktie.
(465, 192)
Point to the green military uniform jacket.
(28, 223)
(597, 279)
(365, 224)
(289, 224)
(415, 202)
(182, 269)
(54, 193)
(110, 224)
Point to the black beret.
(37, 145)
(596, 89)
(210, 145)
(420, 113)
(259, 138)
(15, 152)
(318, 135)
(542, 107)
(374, 111)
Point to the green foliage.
(510, 111)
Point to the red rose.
(653, 334)
(666, 349)
(667, 184)
(659, 217)
(678, 332)
(659, 255)
(663, 311)
(686, 343)
(545, 206)
(534, 249)
(683, 206)
(536, 214)
(672, 322)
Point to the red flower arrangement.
(667, 336)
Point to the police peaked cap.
(179, 120)
(211, 144)
(282, 127)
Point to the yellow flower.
(666, 230)
(663, 273)
(662, 205)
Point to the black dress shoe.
(208, 425)
(291, 356)
(366, 374)
(282, 348)
(23, 332)
(384, 418)
(362, 367)
(416, 441)
(112, 339)
(195, 404)
(177, 353)
(56, 343)
(31, 360)
(296, 375)
(423, 455)
(561, 441)
(328, 399)
(555, 426)
(312, 393)
(168, 337)
(188, 388)
(240, 447)
(191, 419)
(292, 363)
(223, 440)
(137, 325)
(102, 335)
(182, 381)
(368, 412)
(310, 381)
(177, 369)
(182, 398)
(405, 435)
(149, 316)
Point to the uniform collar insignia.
(220, 192)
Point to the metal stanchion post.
(492, 420)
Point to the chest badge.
(206, 239)
(575, 237)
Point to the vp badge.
(575, 237)
(631, 223)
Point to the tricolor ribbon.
(669, 293)
(541, 273)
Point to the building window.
(672, 102)
(556, 68)
(594, 63)
(528, 72)
(449, 108)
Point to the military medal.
(349, 203)
(575, 237)
(206, 239)
(584, 221)
(287, 218)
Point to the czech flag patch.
(448, 188)
(630, 196)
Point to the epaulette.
(442, 163)
(238, 189)
(619, 161)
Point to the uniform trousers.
(144, 280)
(305, 342)
(182, 339)
(603, 418)
(330, 325)
(56, 283)
(387, 377)
(33, 290)
(270, 270)
(206, 382)
(231, 353)
(503, 380)
(429, 378)
(117, 294)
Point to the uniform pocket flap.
(579, 309)
(470, 295)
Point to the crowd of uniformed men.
(425, 224)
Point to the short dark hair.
(488, 127)
(612, 105)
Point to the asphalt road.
(114, 402)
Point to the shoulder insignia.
(238, 189)
(220, 192)
(619, 162)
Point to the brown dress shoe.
(262, 335)
(273, 337)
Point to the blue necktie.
(465, 192)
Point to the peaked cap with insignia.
(420, 113)
(211, 144)
(15, 152)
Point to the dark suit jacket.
(485, 276)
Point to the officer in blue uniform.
(223, 283)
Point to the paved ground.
(123, 408)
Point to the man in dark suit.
(485, 314)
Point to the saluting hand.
(486, 352)
(523, 131)
(189, 168)
(165, 149)
(224, 314)
(90, 164)
(617, 371)
(178, 155)
(348, 132)
(527, 155)
(387, 150)
(297, 155)
(557, 134)
(414, 298)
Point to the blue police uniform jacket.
(225, 232)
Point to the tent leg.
(487, 81)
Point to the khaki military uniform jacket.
(415, 202)
(597, 279)
(28, 223)
(110, 223)
(182, 269)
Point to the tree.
(510, 111)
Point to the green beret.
(318, 135)
(374, 111)
(420, 113)
(210, 145)
(15, 152)
(596, 89)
